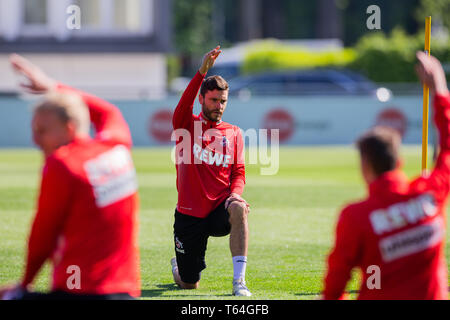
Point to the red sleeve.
(343, 257)
(237, 180)
(49, 219)
(107, 119)
(182, 115)
(439, 179)
(442, 120)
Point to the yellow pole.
(426, 100)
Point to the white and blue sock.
(239, 264)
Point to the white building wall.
(109, 75)
(137, 15)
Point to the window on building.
(90, 13)
(35, 12)
(99, 18)
(115, 17)
(34, 18)
(127, 15)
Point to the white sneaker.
(239, 289)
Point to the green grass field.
(291, 222)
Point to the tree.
(439, 10)
(329, 20)
(193, 30)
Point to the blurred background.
(315, 70)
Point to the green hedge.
(392, 58)
(380, 57)
(272, 55)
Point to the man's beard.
(211, 115)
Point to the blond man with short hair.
(86, 219)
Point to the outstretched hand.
(38, 81)
(209, 59)
(431, 73)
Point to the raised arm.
(38, 82)
(182, 115)
(431, 73)
(107, 118)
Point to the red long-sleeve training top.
(209, 157)
(398, 233)
(86, 220)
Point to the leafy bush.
(381, 57)
(271, 55)
(392, 58)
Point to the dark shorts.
(191, 238)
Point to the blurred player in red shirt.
(86, 219)
(396, 236)
(210, 181)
